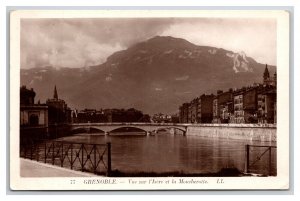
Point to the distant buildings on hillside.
(255, 104)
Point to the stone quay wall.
(264, 133)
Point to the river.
(165, 152)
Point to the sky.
(78, 43)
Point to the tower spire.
(55, 96)
(266, 73)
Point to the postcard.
(149, 99)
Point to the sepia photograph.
(141, 100)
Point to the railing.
(128, 123)
(261, 159)
(95, 158)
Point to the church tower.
(55, 96)
(58, 110)
(266, 74)
(267, 79)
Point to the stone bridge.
(149, 128)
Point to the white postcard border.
(281, 181)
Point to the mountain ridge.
(156, 75)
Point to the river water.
(165, 152)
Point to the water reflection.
(166, 153)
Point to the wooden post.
(108, 158)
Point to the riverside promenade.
(31, 168)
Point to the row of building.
(108, 115)
(54, 111)
(52, 119)
(38, 120)
(254, 104)
(165, 118)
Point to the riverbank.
(31, 168)
(252, 132)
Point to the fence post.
(62, 154)
(45, 152)
(52, 153)
(31, 150)
(82, 157)
(37, 151)
(108, 158)
(71, 156)
(95, 156)
(270, 160)
(247, 146)
(25, 150)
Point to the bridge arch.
(174, 127)
(95, 129)
(86, 130)
(145, 127)
(127, 129)
(79, 130)
(169, 127)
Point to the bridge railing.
(261, 159)
(94, 158)
(130, 123)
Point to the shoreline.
(31, 168)
(237, 132)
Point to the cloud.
(81, 42)
(87, 42)
(183, 78)
(255, 37)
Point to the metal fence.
(261, 159)
(95, 158)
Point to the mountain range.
(156, 75)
